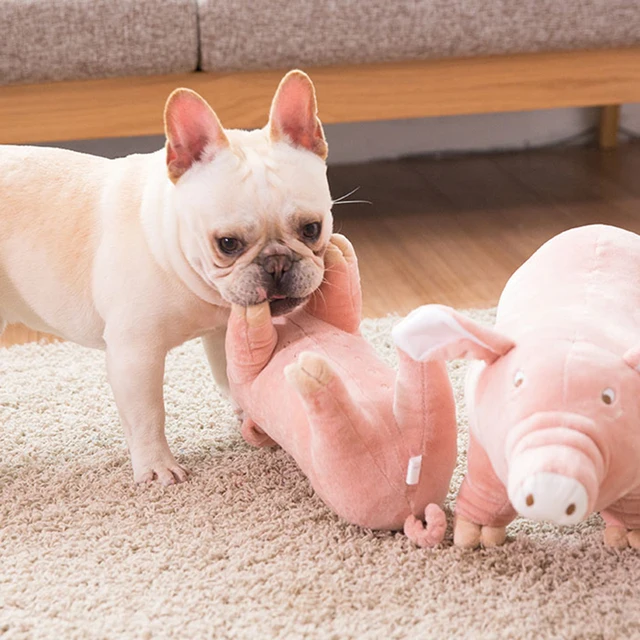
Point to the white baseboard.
(361, 142)
(487, 132)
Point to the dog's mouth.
(280, 306)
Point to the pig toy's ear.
(435, 332)
(632, 357)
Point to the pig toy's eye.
(518, 379)
(608, 396)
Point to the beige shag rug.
(245, 549)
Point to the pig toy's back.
(584, 283)
(554, 403)
(377, 447)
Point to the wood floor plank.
(621, 167)
(617, 166)
(567, 183)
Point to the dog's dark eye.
(311, 231)
(229, 245)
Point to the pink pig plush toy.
(554, 404)
(379, 449)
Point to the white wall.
(391, 139)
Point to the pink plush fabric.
(377, 447)
(553, 403)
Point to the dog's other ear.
(193, 132)
(294, 118)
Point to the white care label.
(413, 470)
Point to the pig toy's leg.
(330, 407)
(250, 342)
(333, 416)
(338, 301)
(482, 509)
(425, 412)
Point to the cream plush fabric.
(304, 33)
(46, 40)
(245, 549)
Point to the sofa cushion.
(247, 34)
(44, 40)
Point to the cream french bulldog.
(137, 255)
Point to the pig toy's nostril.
(530, 500)
(570, 509)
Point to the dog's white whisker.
(328, 270)
(323, 297)
(346, 195)
(326, 283)
(353, 202)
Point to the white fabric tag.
(413, 470)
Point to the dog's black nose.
(276, 265)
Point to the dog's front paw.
(162, 468)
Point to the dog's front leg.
(214, 347)
(136, 375)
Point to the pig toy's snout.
(555, 468)
(551, 497)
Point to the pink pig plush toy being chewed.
(377, 447)
(554, 403)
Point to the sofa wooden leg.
(608, 128)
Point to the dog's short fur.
(137, 255)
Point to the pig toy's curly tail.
(431, 532)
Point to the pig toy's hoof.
(616, 537)
(466, 534)
(493, 536)
(469, 535)
(345, 247)
(310, 373)
(634, 538)
(620, 538)
(432, 532)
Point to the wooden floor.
(453, 230)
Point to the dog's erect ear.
(193, 132)
(294, 118)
